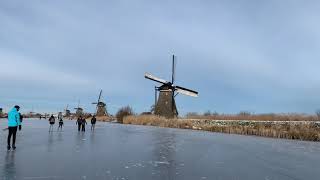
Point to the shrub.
(244, 113)
(207, 113)
(191, 115)
(123, 112)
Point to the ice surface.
(115, 151)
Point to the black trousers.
(83, 127)
(12, 132)
(79, 127)
(92, 126)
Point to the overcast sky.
(258, 56)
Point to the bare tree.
(123, 112)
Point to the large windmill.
(101, 109)
(166, 105)
(79, 110)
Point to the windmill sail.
(173, 69)
(99, 98)
(154, 78)
(101, 109)
(185, 91)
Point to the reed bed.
(104, 118)
(299, 130)
(257, 117)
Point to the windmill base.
(101, 111)
(166, 105)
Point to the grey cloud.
(241, 51)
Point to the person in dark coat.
(84, 122)
(60, 124)
(79, 122)
(52, 120)
(93, 122)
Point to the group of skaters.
(15, 123)
(81, 122)
(52, 121)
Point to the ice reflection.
(164, 153)
(60, 136)
(9, 168)
(50, 142)
(92, 139)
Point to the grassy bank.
(300, 130)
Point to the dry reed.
(300, 130)
(256, 117)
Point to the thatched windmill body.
(165, 105)
(101, 108)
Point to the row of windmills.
(164, 104)
(101, 108)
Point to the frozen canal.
(121, 152)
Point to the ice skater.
(79, 122)
(52, 120)
(14, 122)
(60, 124)
(84, 122)
(93, 122)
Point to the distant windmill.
(1, 112)
(166, 105)
(31, 112)
(79, 110)
(101, 109)
(67, 111)
(60, 115)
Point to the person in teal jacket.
(13, 124)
